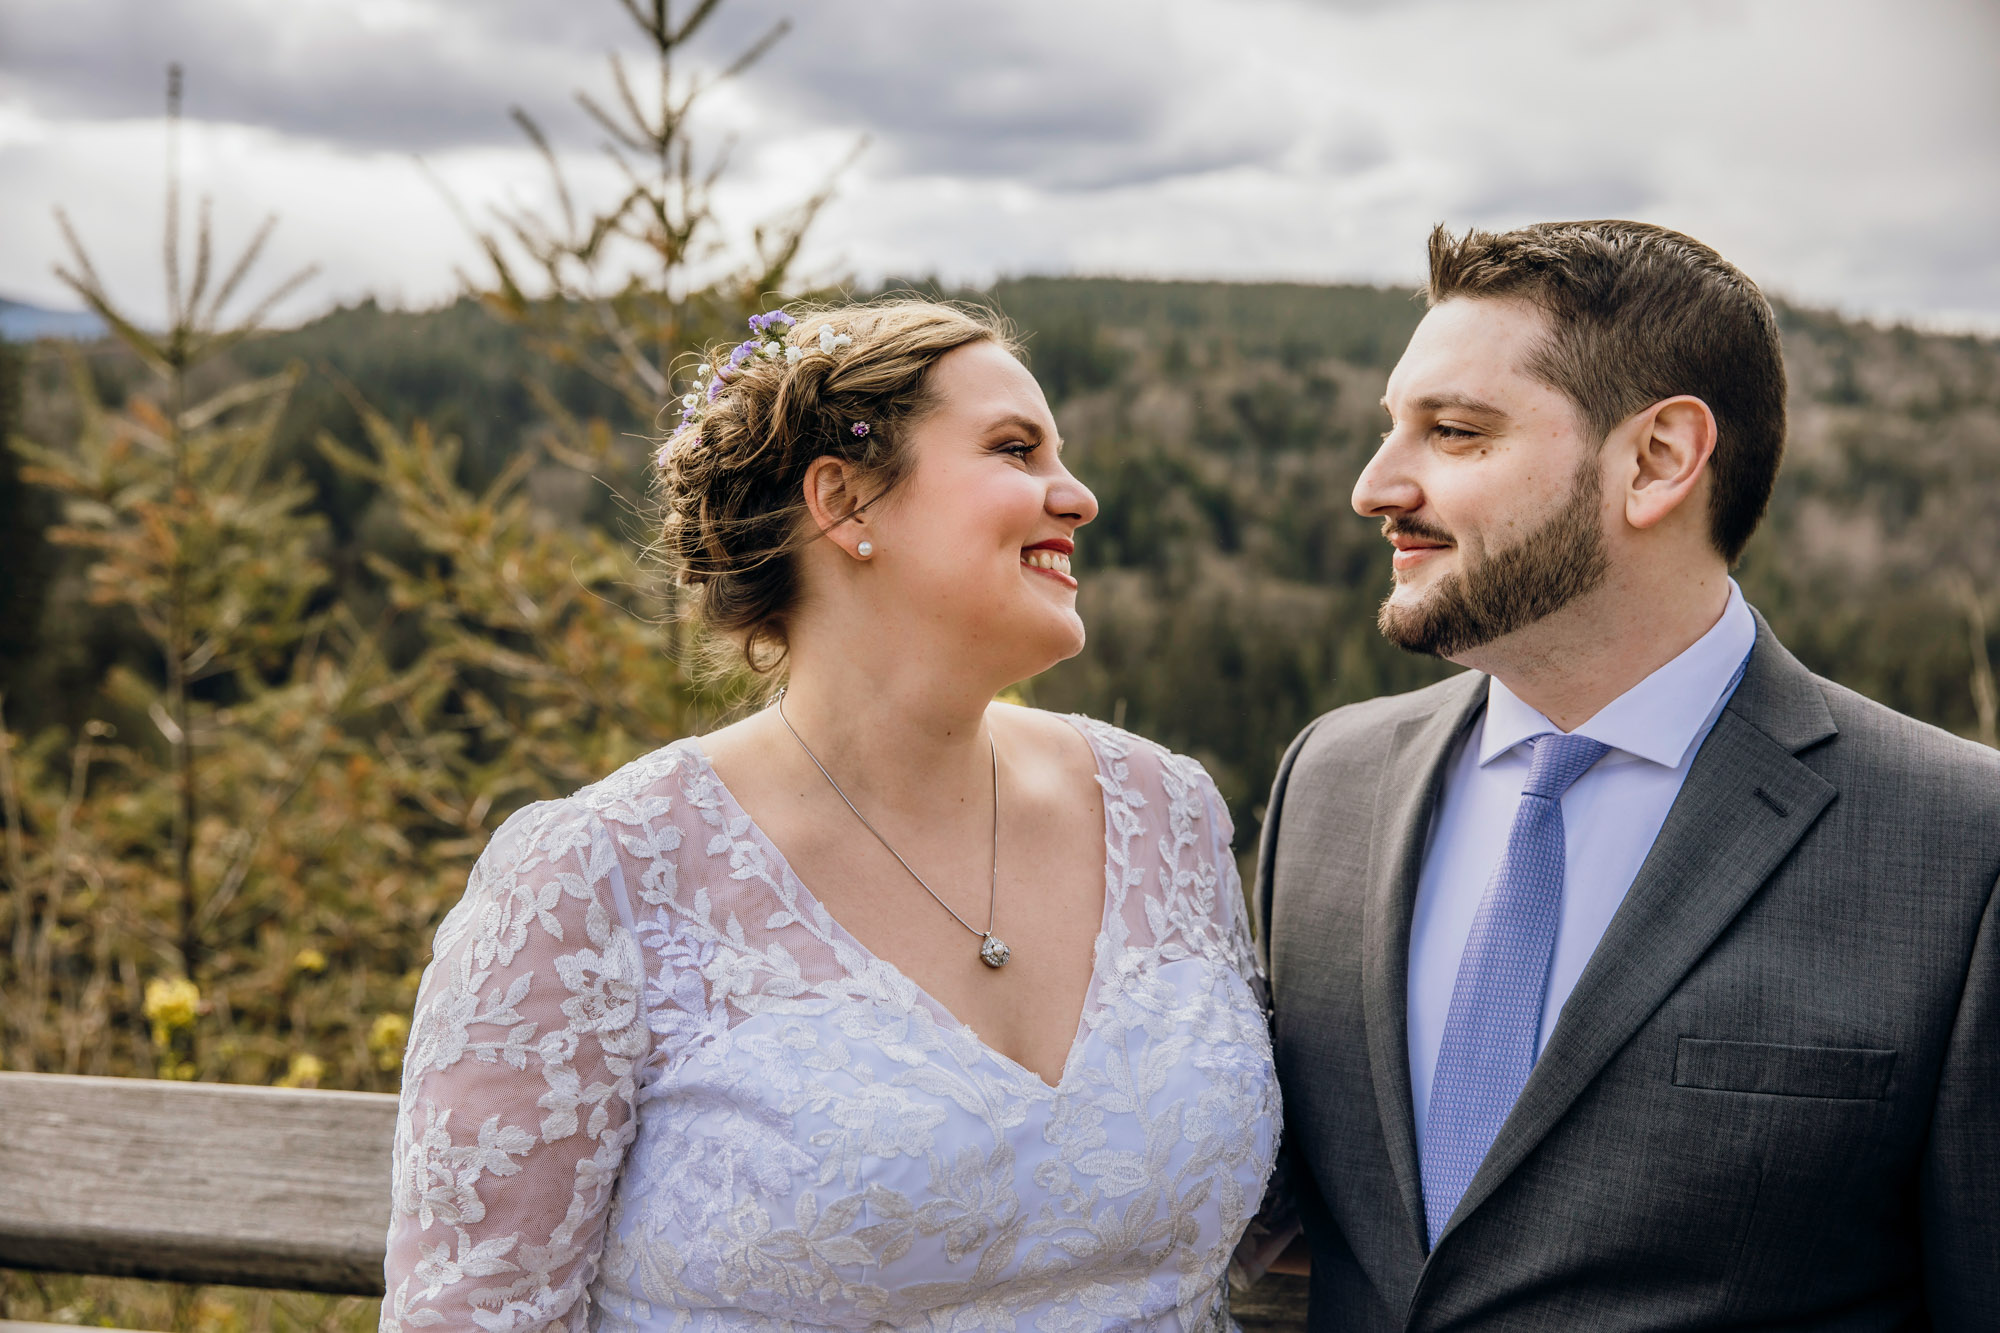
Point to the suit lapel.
(1746, 803)
(1412, 777)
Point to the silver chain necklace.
(992, 950)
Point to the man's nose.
(1387, 485)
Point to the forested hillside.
(1228, 587)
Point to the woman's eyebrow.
(1026, 425)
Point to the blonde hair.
(732, 486)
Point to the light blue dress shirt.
(1611, 817)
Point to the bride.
(889, 1005)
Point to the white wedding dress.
(652, 1084)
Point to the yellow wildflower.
(309, 960)
(306, 1072)
(171, 1006)
(213, 1313)
(386, 1039)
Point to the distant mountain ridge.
(23, 322)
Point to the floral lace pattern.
(652, 1084)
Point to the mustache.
(1416, 527)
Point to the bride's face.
(974, 546)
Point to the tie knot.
(1559, 761)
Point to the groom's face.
(1487, 483)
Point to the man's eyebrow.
(1452, 402)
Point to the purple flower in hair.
(777, 319)
(860, 428)
(714, 388)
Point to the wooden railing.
(255, 1187)
(195, 1182)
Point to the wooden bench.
(195, 1182)
(253, 1187)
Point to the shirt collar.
(1659, 718)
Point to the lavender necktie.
(1503, 977)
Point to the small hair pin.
(859, 428)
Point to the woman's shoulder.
(1130, 767)
(539, 838)
(1169, 831)
(648, 784)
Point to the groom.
(1636, 978)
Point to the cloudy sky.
(1845, 152)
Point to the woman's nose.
(1071, 499)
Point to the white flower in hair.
(831, 342)
(792, 354)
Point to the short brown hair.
(732, 487)
(1638, 313)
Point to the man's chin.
(1434, 621)
(1403, 622)
(1408, 591)
(1414, 597)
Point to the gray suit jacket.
(1772, 1100)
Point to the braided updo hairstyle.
(732, 485)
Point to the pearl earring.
(865, 550)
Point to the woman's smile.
(1051, 558)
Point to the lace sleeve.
(1275, 1223)
(1230, 904)
(518, 1085)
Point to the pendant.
(993, 953)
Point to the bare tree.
(189, 642)
(622, 287)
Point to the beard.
(1511, 588)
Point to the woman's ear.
(835, 508)
(1671, 442)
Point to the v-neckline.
(798, 884)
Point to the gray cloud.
(1839, 148)
(1066, 96)
(1509, 193)
(1080, 101)
(310, 73)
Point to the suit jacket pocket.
(1783, 1071)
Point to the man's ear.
(831, 500)
(1671, 443)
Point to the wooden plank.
(195, 1182)
(1274, 1303)
(259, 1187)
